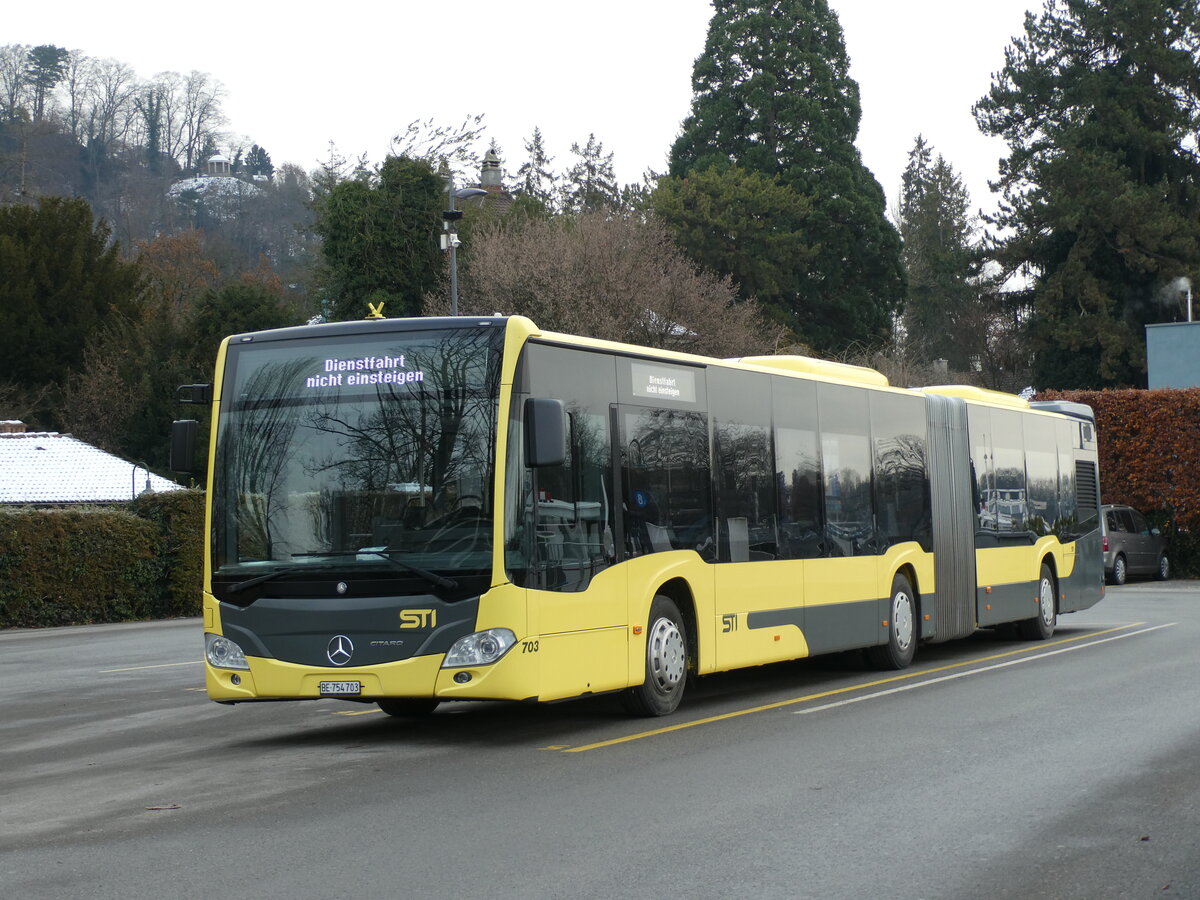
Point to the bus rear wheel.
(408, 707)
(666, 663)
(1041, 626)
(898, 652)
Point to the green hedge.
(179, 516)
(75, 566)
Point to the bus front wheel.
(898, 652)
(408, 707)
(666, 663)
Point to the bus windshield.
(356, 454)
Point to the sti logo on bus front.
(418, 618)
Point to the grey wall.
(1173, 355)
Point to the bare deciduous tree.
(77, 83)
(166, 88)
(608, 276)
(202, 115)
(12, 78)
(113, 98)
(435, 143)
(190, 114)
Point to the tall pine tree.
(773, 94)
(63, 277)
(1100, 105)
(535, 177)
(590, 183)
(941, 317)
(45, 67)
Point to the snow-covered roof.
(48, 467)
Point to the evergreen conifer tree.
(940, 315)
(45, 67)
(63, 278)
(535, 177)
(380, 240)
(1100, 105)
(591, 182)
(773, 94)
(258, 162)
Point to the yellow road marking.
(358, 712)
(194, 662)
(807, 698)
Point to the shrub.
(179, 516)
(76, 566)
(1150, 459)
(81, 565)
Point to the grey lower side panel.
(1085, 586)
(929, 603)
(774, 618)
(1008, 602)
(831, 627)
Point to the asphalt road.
(993, 768)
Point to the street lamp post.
(450, 239)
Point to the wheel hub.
(902, 620)
(1047, 601)
(666, 654)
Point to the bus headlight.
(479, 649)
(224, 653)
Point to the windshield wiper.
(285, 570)
(434, 578)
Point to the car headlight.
(479, 649)
(224, 653)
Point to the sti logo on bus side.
(418, 618)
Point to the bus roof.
(809, 366)
(977, 394)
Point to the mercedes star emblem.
(340, 650)
(342, 587)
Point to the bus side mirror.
(545, 432)
(183, 445)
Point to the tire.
(1163, 572)
(898, 652)
(1120, 570)
(1041, 626)
(408, 707)
(667, 663)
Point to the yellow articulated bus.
(412, 511)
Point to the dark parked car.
(1131, 546)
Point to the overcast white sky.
(298, 76)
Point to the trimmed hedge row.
(77, 566)
(1150, 459)
(179, 516)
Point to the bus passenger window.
(846, 465)
(740, 406)
(797, 469)
(667, 493)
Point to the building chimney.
(490, 174)
(12, 426)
